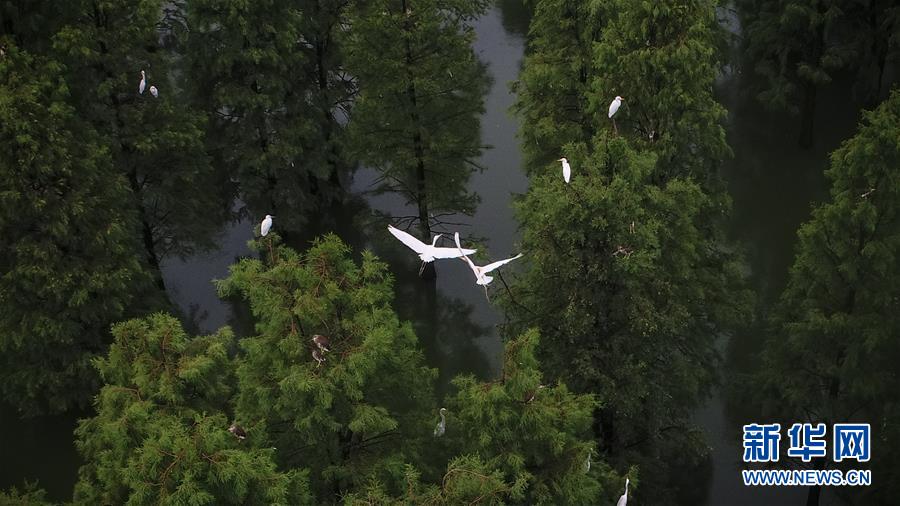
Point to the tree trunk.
(421, 197)
(812, 497)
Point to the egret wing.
(451, 252)
(489, 267)
(465, 258)
(410, 241)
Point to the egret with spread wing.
(428, 252)
(481, 277)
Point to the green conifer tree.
(160, 435)
(661, 58)
(833, 355)
(629, 293)
(156, 143)
(269, 74)
(416, 115)
(364, 409)
(67, 258)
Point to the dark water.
(771, 181)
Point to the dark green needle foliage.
(416, 115)
(834, 355)
(29, 495)
(797, 47)
(512, 441)
(160, 435)
(538, 435)
(629, 294)
(67, 258)
(365, 410)
(156, 143)
(661, 57)
(269, 75)
(553, 88)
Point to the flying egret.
(143, 84)
(481, 277)
(623, 500)
(322, 342)
(441, 427)
(238, 431)
(867, 193)
(567, 169)
(317, 356)
(614, 106)
(154, 92)
(266, 225)
(428, 253)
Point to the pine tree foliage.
(538, 435)
(421, 87)
(67, 260)
(628, 292)
(661, 57)
(157, 143)
(554, 86)
(360, 413)
(269, 74)
(834, 355)
(160, 435)
(797, 47)
(29, 495)
(511, 441)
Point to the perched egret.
(614, 106)
(238, 431)
(587, 462)
(154, 92)
(266, 225)
(481, 277)
(143, 84)
(531, 394)
(567, 169)
(623, 500)
(441, 427)
(428, 253)
(322, 342)
(318, 357)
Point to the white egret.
(614, 106)
(321, 342)
(867, 193)
(427, 252)
(567, 169)
(266, 225)
(154, 92)
(143, 84)
(587, 462)
(623, 500)
(317, 356)
(481, 277)
(441, 427)
(238, 431)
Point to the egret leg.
(422, 268)
(486, 294)
(615, 128)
